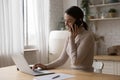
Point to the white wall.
(111, 31)
(68, 3)
(56, 12)
(57, 9)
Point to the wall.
(68, 3)
(111, 31)
(56, 12)
(57, 9)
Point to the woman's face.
(69, 21)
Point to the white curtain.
(11, 30)
(38, 21)
(43, 29)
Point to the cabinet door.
(109, 67)
(117, 68)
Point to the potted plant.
(85, 7)
(112, 12)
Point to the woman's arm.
(58, 62)
(61, 60)
(79, 52)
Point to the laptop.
(23, 66)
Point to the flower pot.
(111, 15)
(91, 17)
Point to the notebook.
(23, 66)
(57, 76)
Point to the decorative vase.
(111, 15)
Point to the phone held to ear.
(77, 23)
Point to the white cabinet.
(108, 67)
(111, 67)
(117, 68)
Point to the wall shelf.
(102, 5)
(99, 19)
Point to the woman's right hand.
(74, 30)
(39, 65)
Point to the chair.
(98, 66)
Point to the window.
(34, 17)
(29, 23)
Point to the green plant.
(112, 10)
(85, 7)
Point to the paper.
(57, 76)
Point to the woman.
(79, 46)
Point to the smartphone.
(77, 22)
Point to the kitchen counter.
(107, 58)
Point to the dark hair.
(77, 13)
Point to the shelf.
(107, 58)
(30, 50)
(99, 19)
(101, 5)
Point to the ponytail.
(85, 26)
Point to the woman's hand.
(74, 29)
(39, 65)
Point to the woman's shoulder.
(88, 34)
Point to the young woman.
(79, 46)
